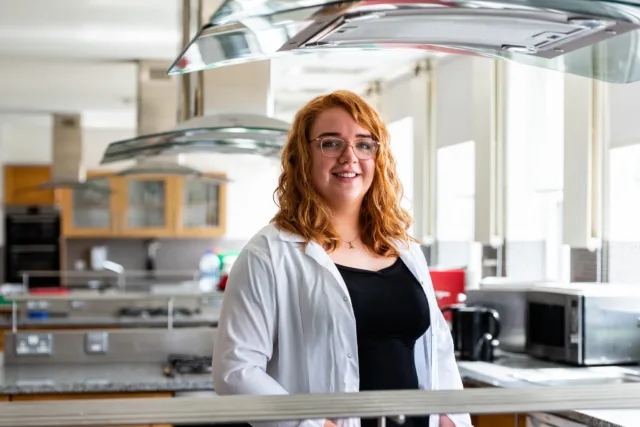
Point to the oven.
(32, 243)
(584, 324)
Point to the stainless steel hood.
(220, 133)
(595, 39)
(67, 169)
(229, 133)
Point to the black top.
(391, 312)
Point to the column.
(584, 151)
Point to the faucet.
(116, 268)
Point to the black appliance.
(32, 243)
(186, 364)
(475, 331)
(147, 312)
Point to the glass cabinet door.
(146, 204)
(91, 207)
(201, 206)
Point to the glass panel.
(92, 207)
(200, 204)
(147, 200)
(550, 34)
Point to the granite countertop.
(103, 378)
(505, 371)
(122, 321)
(148, 377)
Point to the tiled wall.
(173, 254)
(525, 260)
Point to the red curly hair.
(303, 211)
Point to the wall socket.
(28, 344)
(96, 342)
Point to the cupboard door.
(202, 208)
(21, 185)
(146, 208)
(88, 211)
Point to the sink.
(569, 377)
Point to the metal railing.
(377, 404)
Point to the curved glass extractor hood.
(220, 133)
(160, 166)
(595, 39)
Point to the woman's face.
(345, 178)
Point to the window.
(401, 132)
(534, 140)
(624, 214)
(455, 204)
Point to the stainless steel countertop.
(504, 373)
(122, 321)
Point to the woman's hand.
(444, 422)
(328, 423)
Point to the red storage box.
(448, 284)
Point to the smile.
(346, 175)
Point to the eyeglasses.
(364, 149)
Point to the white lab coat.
(287, 326)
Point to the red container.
(448, 284)
(48, 291)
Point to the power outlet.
(96, 342)
(28, 344)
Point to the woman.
(333, 295)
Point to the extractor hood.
(219, 133)
(67, 169)
(595, 39)
(224, 133)
(173, 165)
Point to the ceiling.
(77, 55)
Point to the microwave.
(584, 324)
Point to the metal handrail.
(375, 404)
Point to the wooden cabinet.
(496, 420)
(88, 212)
(21, 185)
(145, 206)
(499, 420)
(202, 209)
(75, 396)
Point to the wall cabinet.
(145, 206)
(21, 185)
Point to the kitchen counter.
(507, 372)
(148, 377)
(119, 321)
(103, 378)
